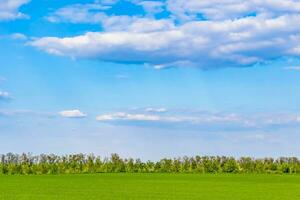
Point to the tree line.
(80, 163)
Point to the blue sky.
(150, 78)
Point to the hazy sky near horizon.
(150, 78)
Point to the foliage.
(80, 163)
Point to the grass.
(151, 186)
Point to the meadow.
(139, 186)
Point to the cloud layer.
(231, 9)
(231, 33)
(205, 120)
(9, 9)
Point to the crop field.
(151, 186)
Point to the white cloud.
(231, 9)
(9, 9)
(159, 110)
(152, 7)
(187, 10)
(72, 114)
(128, 117)
(206, 120)
(94, 14)
(207, 44)
(235, 33)
(79, 13)
(185, 118)
(4, 95)
(107, 2)
(133, 24)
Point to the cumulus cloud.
(79, 13)
(152, 7)
(206, 44)
(185, 10)
(204, 34)
(9, 9)
(230, 9)
(72, 114)
(95, 14)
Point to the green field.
(151, 186)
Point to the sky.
(150, 79)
